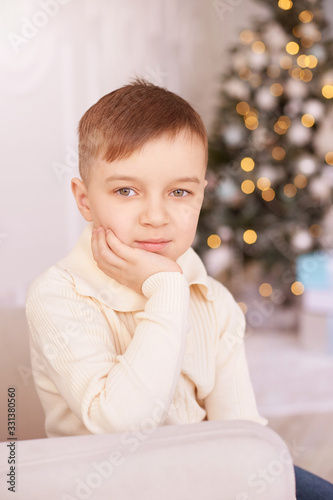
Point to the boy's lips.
(153, 244)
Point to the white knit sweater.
(108, 359)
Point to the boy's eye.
(124, 189)
(181, 191)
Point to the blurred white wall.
(57, 58)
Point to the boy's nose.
(154, 212)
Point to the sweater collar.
(90, 281)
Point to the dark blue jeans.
(311, 487)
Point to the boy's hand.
(129, 266)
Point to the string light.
(247, 164)
(306, 42)
(263, 183)
(305, 16)
(250, 236)
(297, 288)
(307, 120)
(242, 108)
(278, 153)
(306, 75)
(251, 122)
(285, 4)
(268, 194)
(327, 91)
(246, 37)
(258, 47)
(329, 158)
(273, 71)
(292, 48)
(290, 190)
(245, 73)
(315, 230)
(286, 62)
(248, 186)
(297, 31)
(214, 241)
(243, 307)
(276, 89)
(295, 73)
(300, 181)
(265, 290)
(282, 125)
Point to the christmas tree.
(270, 169)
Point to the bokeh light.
(265, 290)
(248, 186)
(214, 241)
(292, 48)
(297, 288)
(247, 164)
(250, 236)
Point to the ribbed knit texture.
(179, 359)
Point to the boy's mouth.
(153, 245)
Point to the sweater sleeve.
(109, 392)
(232, 397)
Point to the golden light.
(295, 73)
(247, 164)
(273, 71)
(307, 120)
(242, 108)
(286, 62)
(297, 288)
(250, 236)
(268, 194)
(327, 91)
(306, 75)
(300, 181)
(297, 31)
(313, 61)
(243, 307)
(214, 241)
(245, 73)
(285, 4)
(303, 60)
(278, 153)
(329, 157)
(251, 122)
(306, 42)
(315, 230)
(246, 36)
(282, 125)
(258, 47)
(290, 190)
(276, 89)
(306, 16)
(265, 290)
(316, 36)
(255, 80)
(248, 186)
(292, 48)
(263, 183)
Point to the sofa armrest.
(233, 460)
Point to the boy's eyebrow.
(129, 178)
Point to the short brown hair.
(124, 120)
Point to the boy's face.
(143, 197)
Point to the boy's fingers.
(101, 249)
(117, 246)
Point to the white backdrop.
(58, 57)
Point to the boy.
(128, 326)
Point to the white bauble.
(272, 173)
(323, 138)
(227, 191)
(327, 78)
(233, 135)
(306, 165)
(319, 189)
(298, 134)
(319, 52)
(296, 88)
(274, 36)
(302, 240)
(237, 89)
(314, 108)
(217, 259)
(265, 100)
(294, 107)
(258, 61)
(225, 233)
(327, 174)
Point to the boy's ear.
(205, 183)
(79, 191)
